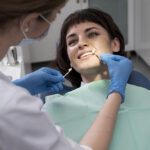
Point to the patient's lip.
(84, 53)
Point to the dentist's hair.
(13, 9)
(91, 15)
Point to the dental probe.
(93, 52)
(69, 70)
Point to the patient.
(106, 39)
(82, 33)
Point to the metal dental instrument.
(69, 70)
(94, 53)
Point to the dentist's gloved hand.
(119, 70)
(44, 79)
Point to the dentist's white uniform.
(23, 126)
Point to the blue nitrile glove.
(44, 79)
(119, 70)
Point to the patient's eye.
(72, 42)
(93, 34)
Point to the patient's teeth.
(85, 54)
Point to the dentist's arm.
(44, 79)
(99, 135)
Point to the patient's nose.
(82, 44)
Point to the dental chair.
(138, 79)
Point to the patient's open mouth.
(85, 54)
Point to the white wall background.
(142, 29)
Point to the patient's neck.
(91, 76)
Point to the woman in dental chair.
(85, 35)
(63, 62)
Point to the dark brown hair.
(11, 9)
(91, 15)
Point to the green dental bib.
(76, 111)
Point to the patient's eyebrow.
(88, 29)
(71, 35)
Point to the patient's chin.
(89, 69)
(86, 66)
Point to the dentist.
(22, 125)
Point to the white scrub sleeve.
(24, 127)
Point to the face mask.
(28, 41)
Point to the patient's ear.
(115, 43)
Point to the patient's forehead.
(82, 26)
